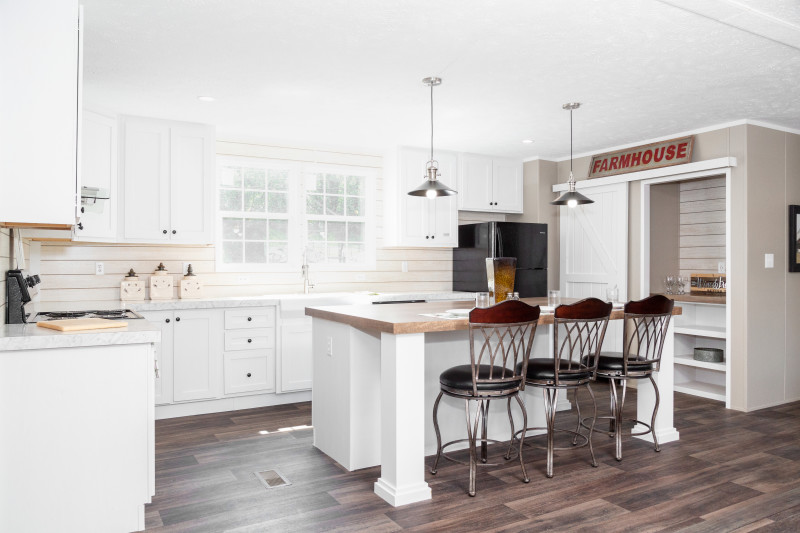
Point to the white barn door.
(594, 249)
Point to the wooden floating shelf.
(689, 360)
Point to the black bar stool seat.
(459, 379)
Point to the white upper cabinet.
(166, 182)
(425, 221)
(489, 184)
(97, 221)
(39, 103)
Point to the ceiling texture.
(346, 74)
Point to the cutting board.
(80, 324)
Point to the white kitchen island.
(76, 428)
(376, 372)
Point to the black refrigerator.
(526, 242)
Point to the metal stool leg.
(578, 427)
(591, 429)
(511, 423)
(484, 423)
(438, 433)
(550, 399)
(655, 412)
(612, 394)
(472, 433)
(525, 477)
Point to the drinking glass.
(482, 300)
(612, 293)
(669, 282)
(680, 281)
(553, 298)
(512, 296)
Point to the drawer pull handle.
(177, 319)
(249, 319)
(167, 321)
(249, 340)
(249, 374)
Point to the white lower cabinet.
(700, 326)
(295, 361)
(163, 355)
(250, 371)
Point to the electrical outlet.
(404, 266)
(99, 269)
(329, 348)
(243, 279)
(721, 267)
(769, 260)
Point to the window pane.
(355, 232)
(278, 252)
(255, 201)
(355, 185)
(230, 177)
(355, 207)
(316, 230)
(232, 252)
(314, 204)
(334, 205)
(232, 228)
(278, 230)
(230, 200)
(336, 253)
(316, 252)
(334, 184)
(336, 231)
(255, 229)
(355, 253)
(254, 178)
(314, 183)
(255, 252)
(278, 180)
(278, 202)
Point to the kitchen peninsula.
(375, 379)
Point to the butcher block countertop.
(409, 318)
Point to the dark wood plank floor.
(730, 471)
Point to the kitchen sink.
(294, 305)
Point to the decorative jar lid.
(132, 276)
(189, 272)
(161, 270)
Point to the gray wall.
(664, 233)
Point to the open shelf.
(689, 360)
(702, 389)
(715, 332)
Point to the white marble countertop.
(238, 301)
(15, 337)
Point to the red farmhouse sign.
(655, 155)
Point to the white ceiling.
(347, 73)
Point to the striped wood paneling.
(702, 225)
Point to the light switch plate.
(769, 260)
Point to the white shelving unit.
(700, 325)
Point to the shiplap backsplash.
(702, 225)
(68, 268)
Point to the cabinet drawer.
(249, 371)
(262, 317)
(249, 339)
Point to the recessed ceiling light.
(206, 98)
(527, 141)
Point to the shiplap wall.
(68, 268)
(5, 264)
(702, 227)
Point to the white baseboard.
(229, 404)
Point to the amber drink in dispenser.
(500, 271)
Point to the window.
(272, 215)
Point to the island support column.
(403, 415)
(646, 398)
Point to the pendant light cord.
(570, 142)
(431, 121)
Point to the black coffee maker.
(19, 289)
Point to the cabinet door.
(197, 355)
(145, 180)
(98, 169)
(39, 109)
(414, 210)
(163, 383)
(475, 183)
(191, 184)
(507, 186)
(444, 218)
(294, 360)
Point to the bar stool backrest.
(502, 336)
(578, 333)
(646, 323)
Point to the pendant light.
(571, 198)
(432, 187)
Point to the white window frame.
(298, 170)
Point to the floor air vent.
(272, 479)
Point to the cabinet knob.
(174, 232)
(427, 236)
(249, 319)
(433, 236)
(177, 319)
(80, 225)
(249, 340)
(167, 321)
(164, 232)
(249, 374)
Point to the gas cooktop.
(113, 314)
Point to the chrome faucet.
(306, 281)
